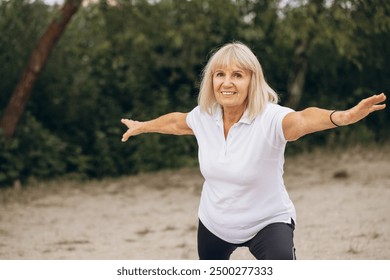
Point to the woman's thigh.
(211, 247)
(274, 242)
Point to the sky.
(284, 2)
(53, 1)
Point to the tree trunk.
(297, 75)
(38, 59)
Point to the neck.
(232, 115)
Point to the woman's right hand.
(133, 128)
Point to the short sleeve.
(192, 119)
(272, 123)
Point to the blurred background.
(140, 59)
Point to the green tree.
(140, 59)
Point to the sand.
(342, 200)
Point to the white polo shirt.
(244, 189)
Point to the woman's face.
(231, 87)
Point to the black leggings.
(274, 242)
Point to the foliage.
(141, 59)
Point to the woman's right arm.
(172, 123)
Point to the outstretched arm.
(172, 123)
(300, 123)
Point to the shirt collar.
(217, 113)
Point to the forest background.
(140, 59)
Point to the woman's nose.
(227, 82)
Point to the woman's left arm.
(300, 123)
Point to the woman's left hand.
(362, 109)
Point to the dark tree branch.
(38, 59)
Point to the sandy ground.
(342, 200)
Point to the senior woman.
(242, 133)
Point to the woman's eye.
(219, 74)
(237, 75)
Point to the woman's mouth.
(228, 92)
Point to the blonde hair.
(241, 56)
